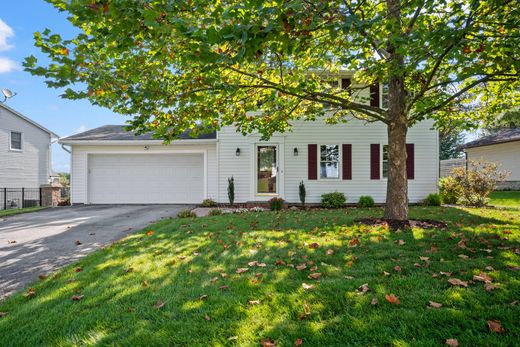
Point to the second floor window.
(16, 140)
(329, 161)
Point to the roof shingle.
(507, 135)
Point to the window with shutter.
(374, 161)
(312, 161)
(347, 162)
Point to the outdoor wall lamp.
(295, 151)
(237, 153)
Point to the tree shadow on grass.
(182, 262)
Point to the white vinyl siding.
(80, 162)
(506, 154)
(294, 168)
(30, 166)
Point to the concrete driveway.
(40, 242)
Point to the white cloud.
(5, 33)
(81, 129)
(8, 65)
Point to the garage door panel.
(146, 178)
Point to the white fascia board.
(133, 142)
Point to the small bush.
(333, 200)
(231, 190)
(366, 201)
(303, 193)
(208, 203)
(477, 182)
(257, 209)
(276, 204)
(449, 189)
(215, 212)
(433, 199)
(186, 214)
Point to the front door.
(266, 169)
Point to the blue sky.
(18, 21)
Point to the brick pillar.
(51, 194)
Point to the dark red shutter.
(345, 83)
(347, 162)
(410, 161)
(374, 95)
(312, 161)
(375, 161)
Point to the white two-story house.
(25, 151)
(110, 165)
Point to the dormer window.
(16, 141)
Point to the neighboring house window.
(329, 161)
(384, 161)
(16, 140)
(384, 95)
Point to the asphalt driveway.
(40, 242)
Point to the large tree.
(203, 64)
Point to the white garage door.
(145, 178)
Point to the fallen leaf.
(298, 342)
(314, 245)
(3, 314)
(242, 270)
(374, 301)
(435, 304)
(252, 263)
(446, 273)
(463, 256)
(457, 282)
(78, 269)
(77, 297)
(401, 242)
(233, 338)
(159, 304)
(482, 277)
(495, 326)
(315, 276)
(489, 268)
(307, 286)
(203, 297)
(394, 300)
(330, 252)
(30, 293)
(149, 233)
(363, 288)
(11, 241)
(386, 273)
(254, 302)
(206, 317)
(267, 343)
(301, 267)
(43, 277)
(78, 242)
(397, 268)
(452, 342)
(424, 258)
(144, 283)
(489, 287)
(353, 242)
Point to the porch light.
(237, 153)
(295, 151)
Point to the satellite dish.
(7, 94)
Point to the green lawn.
(507, 199)
(13, 211)
(179, 286)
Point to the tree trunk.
(397, 124)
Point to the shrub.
(257, 209)
(231, 190)
(477, 182)
(208, 203)
(276, 204)
(303, 193)
(186, 214)
(449, 189)
(433, 199)
(215, 212)
(366, 201)
(333, 200)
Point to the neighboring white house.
(502, 148)
(111, 166)
(25, 151)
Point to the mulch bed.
(403, 224)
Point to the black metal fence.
(20, 197)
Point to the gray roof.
(507, 135)
(118, 133)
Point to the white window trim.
(21, 141)
(340, 162)
(382, 178)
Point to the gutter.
(133, 142)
